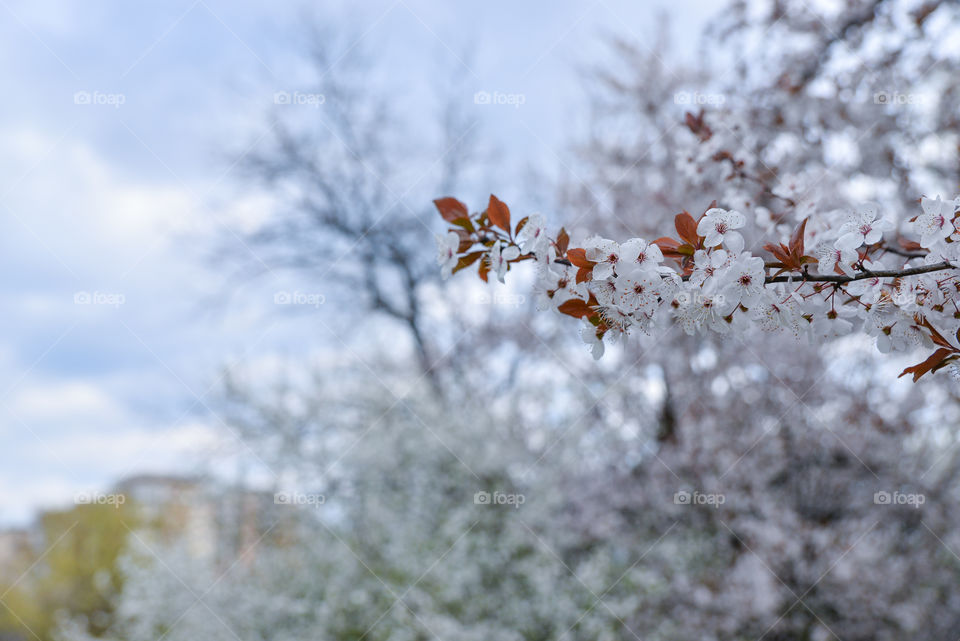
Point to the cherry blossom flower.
(862, 227)
(606, 253)
(868, 289)
(717, 227)
(745, 282)
(557, 284)
(830, 258)
(696, 311)
(936, 222)
(589, 335)
(533, 236)
(830, 324)
(447, 258)
(894, 330)
(637, 252)
(606, 291)
(500, 257)
(707, 265)
(776, 312)
(639, 291)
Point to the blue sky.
(113, 333)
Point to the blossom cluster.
(903, 293)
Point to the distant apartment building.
(214, 523)
(15, 546)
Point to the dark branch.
(888, 273)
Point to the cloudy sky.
(120, 131)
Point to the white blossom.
(447, 253)
(717, 226)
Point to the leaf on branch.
(575, 307)
(780, 251)
(466, 223)
(668, 246)
(697, 126)
(483, 270)
(687, 228)
(466, 240)
(563, 241)
(935, 361)
(499, 213)
(466, 261)
(451, 209)
(521, 224)
(796, 240)
(935, 336)
(578, 257)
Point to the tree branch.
(889, 273)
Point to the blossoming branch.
(904, 294)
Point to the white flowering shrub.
(830, 276)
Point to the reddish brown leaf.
(521, 224)
(499, 213)
(483, 270)
(936, 336)
(576, 308)
(796, 240)
(909, 245)
(697, 126)
(583, 274)
(687, 228)
(668, 246)
(563, 241)
(781, 253)
(451, 208)
(932, 363)
(466, 261)
(578, 257)
(466, 223)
